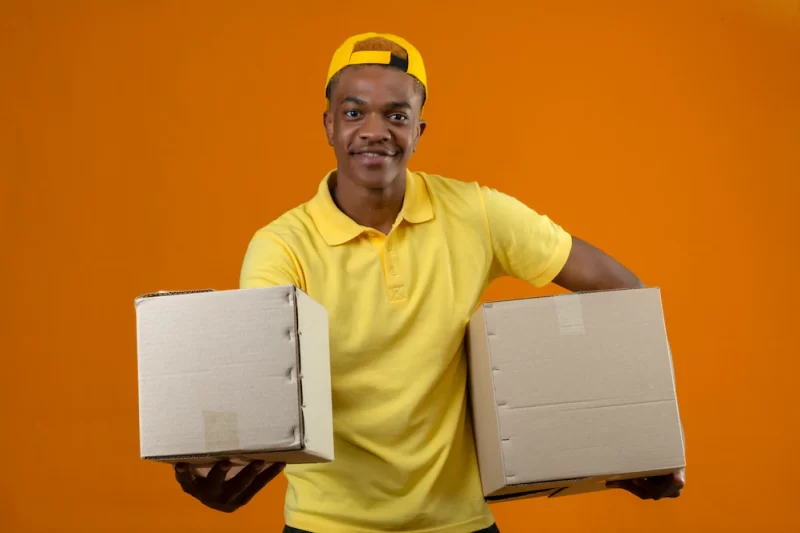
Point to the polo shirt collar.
(337, 228)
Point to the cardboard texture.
(237, 374)
(570, 391)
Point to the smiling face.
(374, 123)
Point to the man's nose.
(374, 128)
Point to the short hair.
(377, 44)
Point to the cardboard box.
(570, 391)
(237, 374)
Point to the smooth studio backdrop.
(142, 143)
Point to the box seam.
(494, 395)
(298, 366)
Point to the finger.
(675, 487)
(215, 478)
(242, 480)
(666, 486)
(654, 486)
(185, 477)
(673, 493)
(658, 480)
(634, 488)
(266, 475)
(670, 491)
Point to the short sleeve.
(526, 245)
(268, 261)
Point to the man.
(400, 260)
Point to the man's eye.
(398, 116)
(352, 113)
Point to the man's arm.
(529, 246)
(590, 269)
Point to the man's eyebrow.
(354, 100)
(391, 105)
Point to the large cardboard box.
(236, 374)
(570, 391)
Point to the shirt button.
(393, 271)
(389, 247)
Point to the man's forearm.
(590, 269)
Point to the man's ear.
(327, 122)
(422, 126)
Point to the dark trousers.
(492, 529)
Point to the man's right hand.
(226, 495)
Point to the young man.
(400, 260)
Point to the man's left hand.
(653, 488)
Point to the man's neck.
(372, 208)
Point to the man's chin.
(379, 178)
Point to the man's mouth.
(373, 157)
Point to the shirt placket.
(395, 279)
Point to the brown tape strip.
(221, 430)
(569, 312)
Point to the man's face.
(373, 124)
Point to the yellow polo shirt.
(399, 305)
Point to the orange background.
(142, 143)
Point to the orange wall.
(142, 143)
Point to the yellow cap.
(345, 56)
